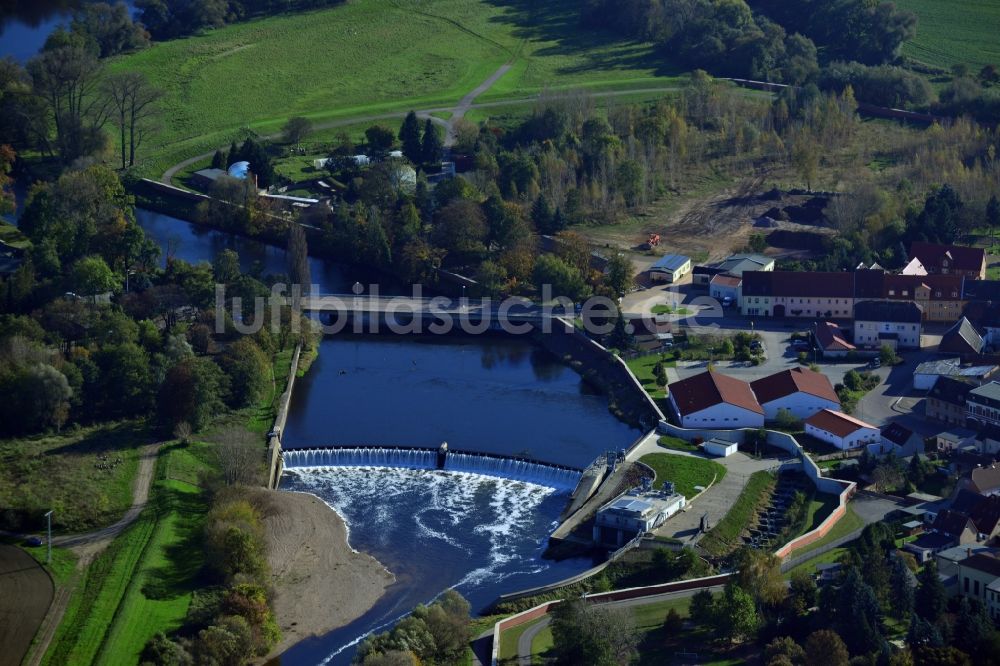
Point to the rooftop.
(897, 433)
(670, 262)
(737, 264)
(930, 541)
(892, 311)
(990, 390)
(963, 335)
(944, 366)
(959, 257)
(789, 382)
(983, 562)
(795, 283)
(837, 423)
(708, 389)
(831, 338)
(952, 390)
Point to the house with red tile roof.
(950, 259)
(713, 400)
(831, 340)
(841, 430)
(800, 391)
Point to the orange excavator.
(653, 240)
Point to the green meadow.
(955, 31)
(372, 57)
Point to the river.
(433, 530)
(26, 24)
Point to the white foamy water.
(434, 530)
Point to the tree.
(735, 615)
(219, 160)
(620, 277)
(564, 280)
(973, 628)
(542, 216)
(409, 137)
(126, 383)
(785, 646)
(91, 276)
(241, 457)
(901, 589)
(7, 156)
(380, 138)
(298, 258)
(295, 129)
(585, 634)
(805, 158)
(108, 29)
(621, 337)
(133, 105)
(702, 608)
(226, 267)
(430, 147)
(66, 78)
(461, 229)
(192, 392)
(249, 372)
(887, 476)
(931, 597)
(858, 614)
(760, 574)
(801, 593)
(826, 648)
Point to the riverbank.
(320, 582)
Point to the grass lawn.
(957, 31)
(642, 368)
(143, 582)
(60, 472)
(261, 417)
(669, 309)
(371, 57)
(850, 522)
(508, 642)
(821, 506)
(10, 235)
(540, 645)
(677, 444)
(685, 471)
(723, 537)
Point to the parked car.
(727, 301)
(274, 432)
(800, 345)
(33, 541)
(875, 363)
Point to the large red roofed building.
(841, 430)
(711, 400)
(800, 391)
(950, 259)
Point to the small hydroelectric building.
(635, 512)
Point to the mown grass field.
(143, 582)
(955, 31)
(686, 472)
(60, 472)
(371, 57)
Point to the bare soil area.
(25, 594)
(320, 582)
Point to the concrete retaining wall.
(275, 464)
(603, 597)
(843, 489)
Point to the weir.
(508, 467)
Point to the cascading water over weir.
(508, 467)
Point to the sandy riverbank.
(320, 583)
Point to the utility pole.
(48, 542)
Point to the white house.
(979, 577)
(898, 440)
(928, 372)
(800, 391)
(841, 430)
(633, 513)
(711, 400)
(893, 323)
(670, 268)
(725, 286)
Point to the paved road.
(466, 102)
(524, 642)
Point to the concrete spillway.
(554, 476)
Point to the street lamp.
(48, 542)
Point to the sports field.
(373, 56)
(25, 594)
(955, 31)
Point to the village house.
(724, 286)
(713, 400)
(947, 400)
(898, 440)
(799, 391)
(962, 338)
(797, 294)
(979, 578)
(982, 480)
(831, 341)
(841, 430)
(982, 406)
(950, 259)
(881, 323)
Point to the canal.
(433, 530)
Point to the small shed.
(720, 447)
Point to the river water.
(434, 530)
(26, 24)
